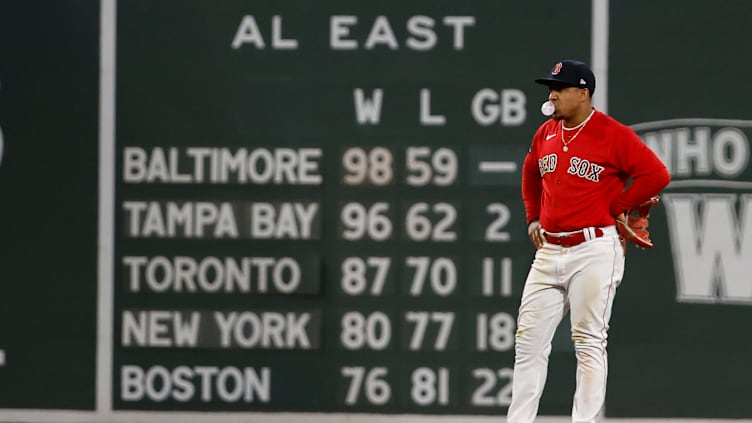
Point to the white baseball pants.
(582, 280)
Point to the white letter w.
(712, 247)
(368, 110)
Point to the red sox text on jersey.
(577, 166)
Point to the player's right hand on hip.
(535, 232)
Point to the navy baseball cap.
(570, 73)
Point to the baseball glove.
(633, 224)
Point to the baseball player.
(579, 214)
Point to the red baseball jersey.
(584, 186)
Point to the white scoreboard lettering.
(394, 250)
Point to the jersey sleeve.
(532, 182)
(649, 174)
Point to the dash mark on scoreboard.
(497, 166)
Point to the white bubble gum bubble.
(547, 108)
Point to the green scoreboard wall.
(264, 207)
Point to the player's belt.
(570, 239)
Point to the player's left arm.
(649, 174)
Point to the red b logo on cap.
(556, 69)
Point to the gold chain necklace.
(582, 126)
